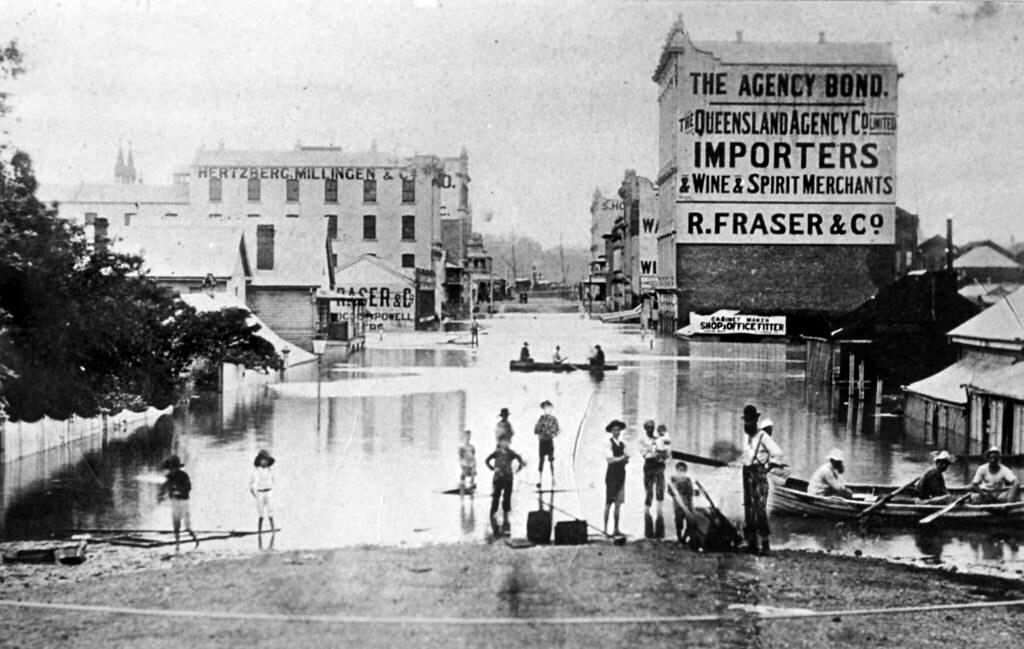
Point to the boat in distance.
(789, 496)
(538, 366)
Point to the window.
(215, 215)
(408, 190)
(408, 227)
(264, 247)
(128, 216)
(334, 260)
(90, 218)
(369, 191)
(100, 234)
(330, 190)
(215, 190)
(408, 261)
(254, 216)
(292, 190)
(332, 226)
(254, 190)
(369, 227)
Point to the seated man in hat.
(828, 479)
(931, 487)
(524, 354)
(994, 482)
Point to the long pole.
(319, 358)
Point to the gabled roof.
(300, 256)
(204, 302)
(937, 241)
(368, 268)
(947, 385)
(1003, 322)
(179, 252)
(114, 193)
(984, 256)
(1005, 382)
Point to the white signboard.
(734, 323)
(783, 154)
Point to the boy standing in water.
(261, 486)
(467, 460)
(177, 486)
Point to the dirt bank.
(597, 581)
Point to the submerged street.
(366, 462)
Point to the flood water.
(366, 462)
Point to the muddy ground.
(467, 581)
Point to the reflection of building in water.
(401, 423)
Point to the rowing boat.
(789, 496)
(538, 366)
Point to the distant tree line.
(529, 252)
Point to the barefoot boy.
(177, 487)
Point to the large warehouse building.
(777, 177)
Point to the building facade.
(777, 165)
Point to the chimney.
(949, 244)
(821, 38)
(739, 35)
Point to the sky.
(551, 99)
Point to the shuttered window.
(254, 190)
(215, 190)
(330, 190)
(292, 190)
(408, 190)
(369, 191)
(332, 226)
(264, 247)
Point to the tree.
(84, 331)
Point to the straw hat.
(836, 455)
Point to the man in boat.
(597, 358)
(760, 454)
(546, 431)
(615, 474)
(558, 358)
(931, 486)
(828, 480)
(994, 482)
(524, 354)
(500, 461)
(503, 429)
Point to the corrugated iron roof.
(113, 193)
(1001, 322)
(947, 385)
(984, 257)
(1003, 382)
(175, 251)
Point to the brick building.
(777, 173)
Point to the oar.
(698, 459)
(945, 510)
(882, 501)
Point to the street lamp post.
(319, 347)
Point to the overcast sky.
(551, 99)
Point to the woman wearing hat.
(615, 474)
(261, 486)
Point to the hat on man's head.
(836, 455)
(944, 456)
(750, 413)
(649, 423)
(173, 462)
(264, 454)
(766, 423)
(503, 412)
(546, 404)
(993, 449)
(615, 424)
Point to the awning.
(947, 385)
(1003, 382)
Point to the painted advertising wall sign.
(786, 154)
(731, 323)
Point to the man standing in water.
(760, 454)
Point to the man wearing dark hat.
(524, 354)
(615, 474)
(546, 431)
(994, 482)
(177, 487)
(503, 430)
(261, 486)
(761, 453)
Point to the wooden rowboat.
(789, 496)
(537, 366)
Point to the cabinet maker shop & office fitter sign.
(786, 154)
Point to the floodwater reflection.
(390, 423)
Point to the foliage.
(83, 330)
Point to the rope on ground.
(768, 615)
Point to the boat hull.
(536, 366)
(790, 497)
